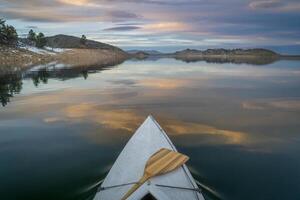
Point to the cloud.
(38, 15)
(167, 26)
(75, 2)
(63, 11)
(212, 22)
(120, 14)
(266, 4)
(122, 28)
(66, 15)
(276, 5)
(153, 2)
(29, 3)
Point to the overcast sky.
(164, 24)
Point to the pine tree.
(31, 35)
(2, 22)
(40, 40)
(8, 34)
(2, 28)
(83, 39)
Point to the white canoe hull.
(129, 168)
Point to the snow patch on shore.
(45, 50)
(56, 50)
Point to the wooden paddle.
(161, 162)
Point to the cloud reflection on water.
(164, 83)
(211, 103)
(128, 120)
(283, 104)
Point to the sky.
(164, 25)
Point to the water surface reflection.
(61, 129)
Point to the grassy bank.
(12, 59)
(16, 59)
(91, 57)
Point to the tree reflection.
(40, 76)
(233, 60)
(85, 74)
(10, 84)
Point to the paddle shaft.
(136, 186)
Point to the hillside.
(60, 48)
(72, 42)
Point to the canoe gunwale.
(165, 187)
(182, 188)
(184, 167)
(115, 186)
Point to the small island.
(250, 56)
(255, 56)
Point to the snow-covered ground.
(56, 50)
(45, 50)
(37, 50)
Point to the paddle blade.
(164, 161)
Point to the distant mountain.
(140, 55)
(149, 52)
(66, 41)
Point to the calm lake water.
(62, 129)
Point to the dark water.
(62, 129)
